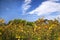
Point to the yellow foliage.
(34, 29)
(38, 28)
(2, 21)
(38, 38)
(27, 31)
(17, 36)
(0, 33)
(0, 28)
(46, 26)
(51, 26)
(22, 30)
(58, 38)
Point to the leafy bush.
(18, 29)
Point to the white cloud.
(52, 17)
(46, 7)
(54, 0)
(26, 6)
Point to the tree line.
(41, 29)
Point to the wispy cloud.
(26, 5)
(54, 0)
(47, 8)
(52, 17)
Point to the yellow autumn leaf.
(51, 26)
(34, 29)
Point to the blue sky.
(29, 10)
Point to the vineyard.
(41, 29)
